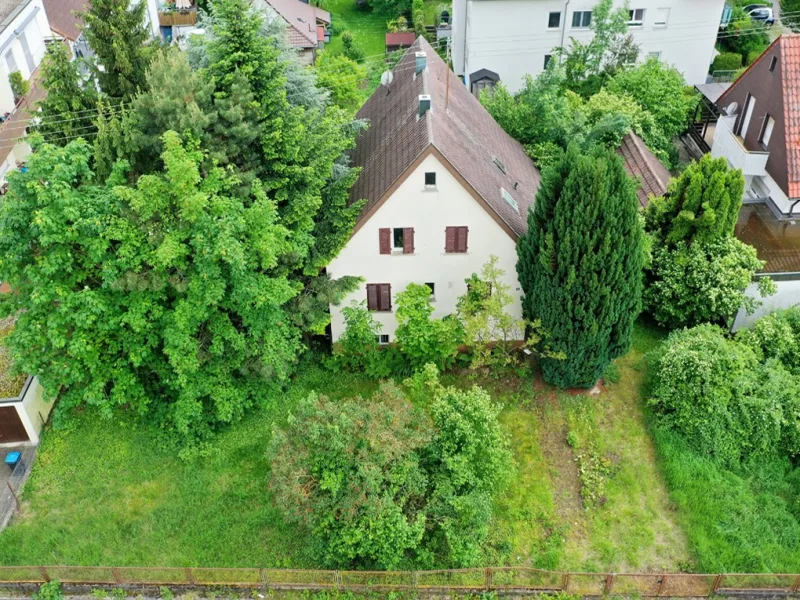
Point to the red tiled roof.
(61, 15)
(463, 133)
(302, 21)
(404, 39)
(642, 165)
(790, 75)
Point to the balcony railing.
(181, 13)
(731, 146)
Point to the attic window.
(499, 164)
(772, 64)
(507, 197)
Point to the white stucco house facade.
(445, 188)
(515, 38)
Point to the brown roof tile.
(402, 38)
(463, 133)
(302, 20)
(790, 75)
(61, 15)
(642, 165)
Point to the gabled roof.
(61, 15)
(400, 38)
(457, 130)
(644, 166)
(302, 20)
(788, 46)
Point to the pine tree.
(68, 109)
(701, 205)
(117, 33)
(580, 265)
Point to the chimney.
(422, 61)
(424, 104)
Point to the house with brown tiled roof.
(445, 188)
(306, 25)
(759, 127)
(650, 174)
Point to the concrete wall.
(429, 213)
(511, 37)
(788, 295)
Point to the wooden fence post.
(45, 576)
(565, 582)
(609, 583)
(661, 585)
(717, 582)
(262, 575)
(487, 578)
(337, 580)
(116, 574)
(189, 576)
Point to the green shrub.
(716, 393)
(19, 86)
(352, 49)
(377, 482)
(49, 591)
(727, 61)
(422, 339)
(776, 336)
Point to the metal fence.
(12, 486)
(499, 579)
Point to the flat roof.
(776, 241)
(712, 91)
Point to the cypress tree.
(580, 264)
(701, 205)
(68, 109)
(117, 33)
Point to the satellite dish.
(387, 78)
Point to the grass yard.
(110, 493)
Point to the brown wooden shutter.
(450, 239)
(386, 296)
(408, 240)
(462, 239)
(385, 240)
(372, 296)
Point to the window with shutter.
(450, 239)
(372, 296)
(385, 300)
(385, 240)
(408, 240)
(456, 239)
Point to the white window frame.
(748, 115)
(550, 14)
(655, 54)
(662, 18)
(634, 21)
(381, 337)
(766, 134)
(582, 14)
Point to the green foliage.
(777, 336)
(357, 349)
(390, 7)
(376, 482)
(660, 90)
(727, 61)
(722, 399)
(422, 339)
(66, 112)
(352, 49)
(117, 33)
(579, 281)
(19, 85)
(744, 35)
(701, 205)
(342, 77)
(418, 16)
(702, 283)
(165, 593)
(790, 14)
(588, 65)
(49, 591)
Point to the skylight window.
(507, 197)
(499, 164)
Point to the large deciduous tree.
(580, 265)
(116, 30)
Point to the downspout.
(564, 23)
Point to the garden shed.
(23, 417)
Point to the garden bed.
(11, 384)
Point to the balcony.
(731, 146)
(180, 13)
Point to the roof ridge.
(642, 147)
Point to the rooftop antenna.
(386, 80)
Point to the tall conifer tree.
(580, 264)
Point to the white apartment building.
(515, 38)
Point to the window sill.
(430, 188)
(401, 253)
(659, 26)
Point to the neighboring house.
(65, 25)
(515, 38)
(445, 188)
(778, 245)
(308, 26)
(24, 29)
(400, 40)
(177, 19)
(650, 174)
(758, 130)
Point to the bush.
(702, 283)
(727, 61)
(422, 339)
(19, 86)
(376, 483)
(776, 336)
(714, 391)
(49, 591)
(352, 49)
